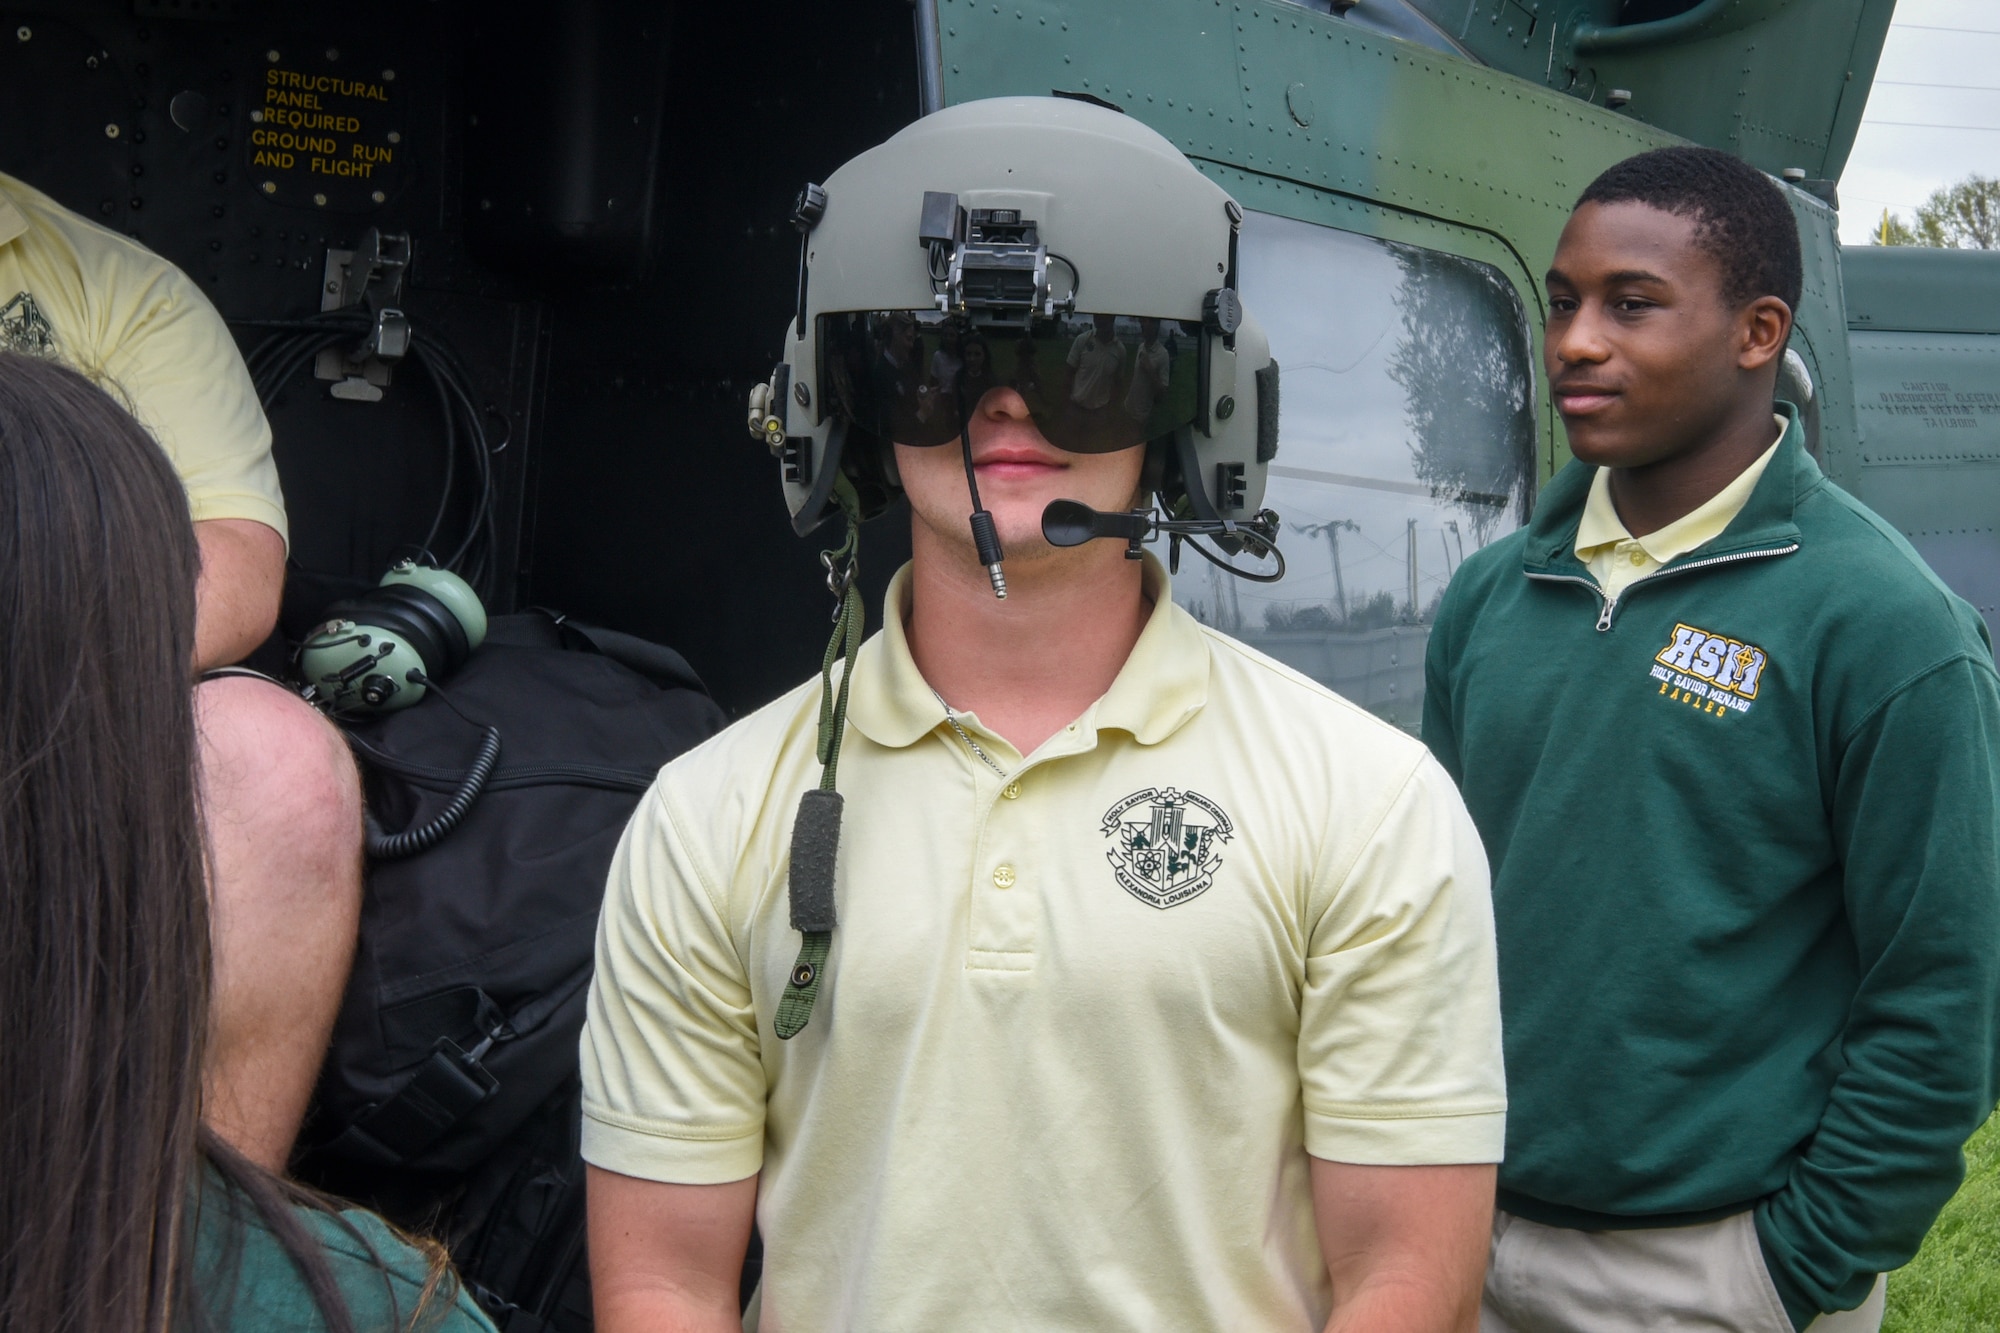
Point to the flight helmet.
(1043, 244)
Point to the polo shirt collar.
(13, 222)
(1768, 517)
(1602, 527)
(1600, 524)
(891, 703)
(1162, 685)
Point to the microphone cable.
(985, 537)
(385, 846)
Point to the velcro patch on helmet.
(1267, 412)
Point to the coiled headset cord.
(396, 846)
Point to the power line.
(1932, 27)
(1919, 83)
(1869, 198)
(1934, 125)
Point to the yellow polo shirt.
(1617, 559)
(139, 327)
(1082, 1023)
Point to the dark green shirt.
(247, 1283)
(1745, 835)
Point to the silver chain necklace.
(966, 736)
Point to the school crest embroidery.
(1713, 673)
(24, 328)
(1164, 843)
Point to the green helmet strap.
(816, 829)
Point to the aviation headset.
(382, 650)
(1045, 245)
(387, 649)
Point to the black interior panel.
(596, 195)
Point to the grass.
(1953, 1285)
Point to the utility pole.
(1411, 532)
(1331, 528)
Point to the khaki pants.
(1699, 1279)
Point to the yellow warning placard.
(324, 140)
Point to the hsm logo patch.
(1165, 854)
(1711, 672)
(24, 328)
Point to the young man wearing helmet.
(1130, 980)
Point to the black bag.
(449, 1099)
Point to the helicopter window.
(1407, 443)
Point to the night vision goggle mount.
(990, 263)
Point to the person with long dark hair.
(280, 796)
(119, 1210)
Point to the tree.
(1468, 388)
(1965, 216)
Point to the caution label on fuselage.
(320, 139)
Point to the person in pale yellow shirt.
(280, 795)
(1162, 994)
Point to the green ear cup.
(378, 652)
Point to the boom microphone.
(1072, 523)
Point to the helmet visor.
(1094, 384)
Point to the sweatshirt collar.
(1768, 517)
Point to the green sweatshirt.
(1745, 832)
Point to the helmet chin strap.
(816, 827)
(985, 537)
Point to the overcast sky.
(1933, 115)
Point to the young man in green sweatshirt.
(1735, 755)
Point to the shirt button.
(1003, 877)
(1012, 791)
(1638, 557)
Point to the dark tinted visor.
(1093, 383)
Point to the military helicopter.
(587, 206)
(505, 273)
